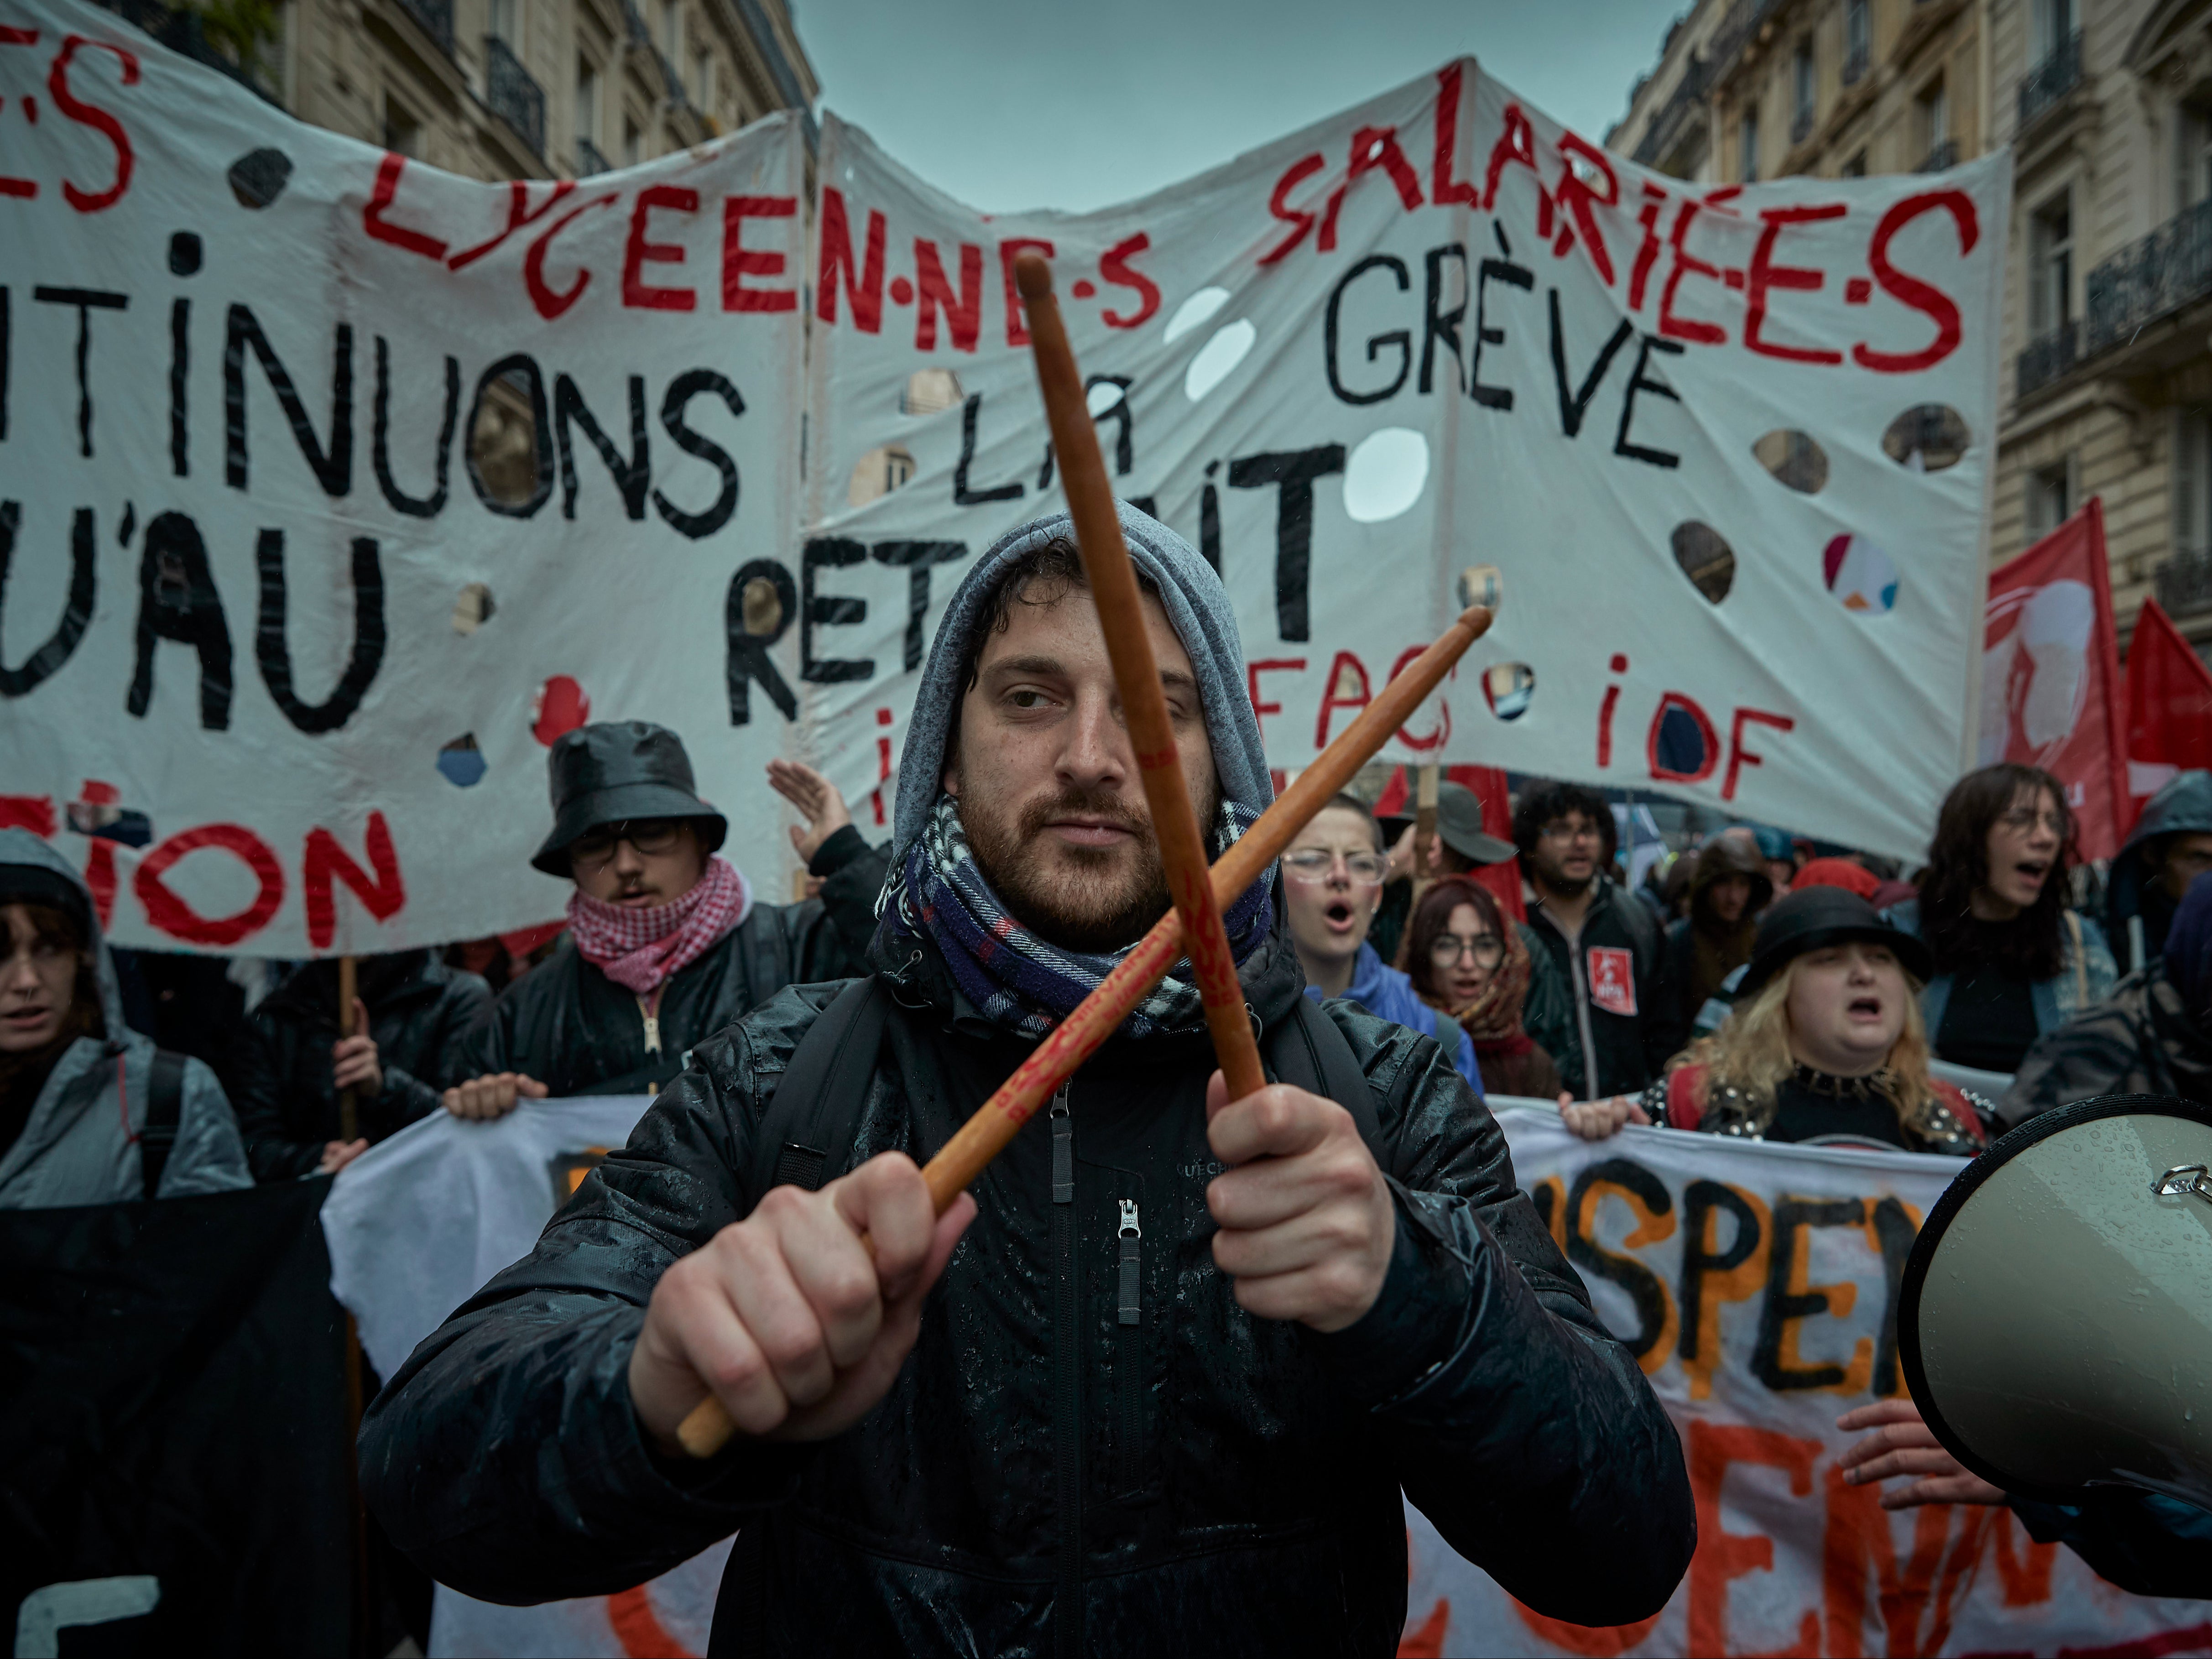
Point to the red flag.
(2051, 674)
(2169, 706)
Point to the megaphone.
(2055, 1321)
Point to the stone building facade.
(2106, 385)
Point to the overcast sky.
(1013, 104)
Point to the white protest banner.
(1730, 449)
(1757, 1284)
(332, 487)
(415, 1227)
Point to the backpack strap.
(165, 1111)
(1309, 1052)
(811, 1120)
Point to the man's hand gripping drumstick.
(815, 1356)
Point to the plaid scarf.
(641, 949)
(1020, 981)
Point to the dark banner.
(175, 1435)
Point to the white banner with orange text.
(1757, 1285)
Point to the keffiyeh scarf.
(1020, 981)
(641, 950)
(1492, 1020)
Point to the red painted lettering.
(99, 119)
(551, 301)
(1708, 756)
(1765, 274)
(1577, 195)
(1436, 738)
(518, 214)
(739, 262)
(323, 860)
(1739, 757)
(1672, 327)
(1723, 1557)
(1018, 333)
(1446, 190)
(1278, 203)
(1910, 291)
(381, 196)
(868, 295)
(178, 919)
(1371, 147)
(1348, 688)
(964, 311)
(1113, 265)
(10, 35)
(636, 292)
(1516, 144)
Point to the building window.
(1803, 87)
(402, 133)
(1936, 128)
(2051, 266)
(1747, 144)
(2050, 498)
(588, 101)
(1858, 39)
(702, 80)
(2053, 24)
(501, 25)
(633, 148)
(2192, 153)
(1855, 167)
(2192, 473)
(672, 50)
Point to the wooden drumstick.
(1137, 675)
(1075, 1039)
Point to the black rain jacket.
(1044, 1476)
(1611, 1052)
(280, 1085)
(569, 1026)
(2139, 1040)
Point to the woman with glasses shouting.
(1333, 875)
(1467, 962)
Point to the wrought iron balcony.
(2046, 359)
(513, 94)
(1854, 65)
(434, 18)
(2163, 272)
(1801, 125)
(1688, 98)
(589, 160)
(1944, 157)
(2184, 582)
(2047, 84)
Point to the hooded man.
(1728, 890)
(665, 944)
(65, 1055)
(2169, 848)
(1170, 1384)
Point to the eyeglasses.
(1487, 950)
(650, 837)
(1570, 829)
(2027, 818)
(1314, 864)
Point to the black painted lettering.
(1438, 325)
(77, 609)
(681, 391)
(962, 494)
(333, 465)
(177, 600)
(1640, 380)
(1513, 276)
(916, 558)
(1573, 405)
(748, 657)
(632, 476)
(829, 611)
(1398, 338)
(1292, 473)
(87, 301)
(273, 652)
(380, 442)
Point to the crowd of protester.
(1753, 985)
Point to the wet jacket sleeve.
(1517, 1423)
(409, 1097)
(2146, 1544)
(256, 1077)
(504, 1457)
(209, 1155)
(487, 1043)
(852, 874)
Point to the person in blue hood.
(76, 1085)
(1332, 873)
(2169, 848)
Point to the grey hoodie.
(80, 1145)
(2137, 916)
(1198, 609)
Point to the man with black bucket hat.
(665, 944)
(1190, 1356)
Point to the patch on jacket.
(1613, 979)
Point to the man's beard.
(1565, 885)
(1087, 899)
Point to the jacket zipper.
(1067, 1388)
(650, 1012)
(1130, 1355)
